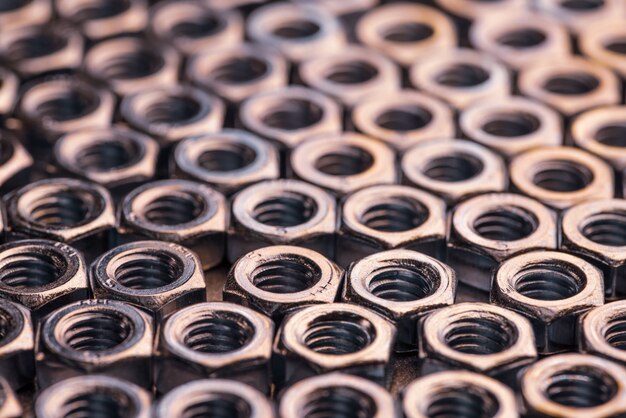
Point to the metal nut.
(15, 169)
(600, 131)
(215, 340)
(9, 404)
(471, 9)
(346, 8)
(25, 13)
(17, 362)
(552, 289)
(603, 42)
(601, 332)
(579, 16)
(95, 337)
(9, 85)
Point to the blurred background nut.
(403, 119)
(157, 276)
(343, 163)
(95, 337)
(601, 332)
(15, 164)
(472, 9)
(9, 404)
(344, 8)
(17, 341)
(25, 13)
(275, 280)
(604, 42)
(233, 4)
(9, 84)
(179, 211)
(215, 340)
(334, 337)
(229, 160)
(453, 169)
(487, 229)
(282, 212)
(578, 15)
(602, 131)
(403, 286)
(552, 289)
(385, 217)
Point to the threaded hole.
(72, 103)
(354, 72)
(582, 5)
(219, 405)
(463, 401)
(99, 9)
(408, 32)
(606, 228)
(462, 75)
(45, 41)
(297, 29)
(10, 5)
(176, 208)
(572, 84)
(522, 38)
(346, 160)
(293, 114)
(549, 282)
(511, 125)
(240, 70)
(107, 155)
(562, 176)
(405, 281)
(395, 214)
(339, 402)
(404, 118)
(95, 331)
(202, 25)
(339, 333)
(287, 210)
(148, 270)
(28, 270)
(172, 109)
(229, 157)
(482, 336)
(290, 274)
(222, 333)
(612, 135)
(65, 208)
(581, 387)
(453, 168)
(506, 223)
(101, 402)
(7, 324)
(617, 45)
(130, 65)
(615, 332)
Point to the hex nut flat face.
(599, 132)
(8, 91)
(17, 346)
(15, 168)
(602, 43)
(9, 405)
(600, 331)
(20, 13)
(578, 19)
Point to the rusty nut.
(15, 168)
(25, 13)
(9, 403)
(579, 15)
(9, 85)
(95, 337)
(601, 332)
(603, 42)
(17, 361)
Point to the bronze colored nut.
(601, 132)
(512, 125)
(92, 396)
(343, 163)
(458, 394)
(15, 169)
(275, 280)
(579, 15)
(129, 65)
(215, 340)
(552, 289)
(561, 177)
(158, 276)
(25, 13)
(603, 42)
(191, 26)
(9, 84)
(461, 77)
(574, 386)
(17, 347)
(336, 394)
(289, 115)
(238, 72)
(296, 30)
(342, 8)
(487, 229)
(472, 9)
(95, 337)
(453, 169)
(9, 404)
(601, 332)
(351, 75)
(403, 286)
(180, 211)
(405, 32)
(570, 86)
(229, 160)
(386, 217)
(336, 337)
(282, 212)
(403, 118)
(214, 397)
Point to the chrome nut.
(343, 163)
(336, 394)
(228, 160)
(601, 131)
(487, 229)
(512, 125)
(472, 9)
(601, 332)
(25, 13)
(17, 347)
(282, 212)
(9, 404)
(403, 286)
(15, 169)
(574, 386)
(276, 280)
(351, 75)
(461, 77)
(552, 289)
(9, 85)
(561, 177)
(289, 115)
(334, 337)
(214, 397)
(95, 337)
(159, 277)
(386, 217)
(453, 169)
(578, 16)
(93, 395)
(403, 119)
(215, 340)
(603, 42)
(570, 85)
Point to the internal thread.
(219, 405)
(506, 223)
(345, 160)
(7, 324)
(572, 84)
(617, 45)
(482, 336)
(549, 282)
(297, 29)
(29, 270)
(222, 332)
(293, 114)
(612, 135)
(172, 109)
(132, 65)
(240, 70)
(404, 118)
(354, 72)
(41, 43)
(72, 103)
(453, 168)
(522, 38)
(200, 26)
(339, 333)
(99, 9)
(100, 403)
(10, 5)
(562, 176)
(289, 274)
(511, 125)
(606, 228)
(408, 32)
(405, 281)
(463, 401)
(96, 331)
(230, 156)
(581, 387)
(462, 76)
(179, 207)
(108, 155)
(582, 5)
(615, 332)
(339, 402)
(64, 208)
(148, 270)
(285, 210)
(395, 214)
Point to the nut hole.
(147, 270)
(617, 45)
(606, 228)
(179, 207)
(228, 157)
(395, 214)
(99, 9)
(45, 41)
(511, 125)
(95, 331)
(612, 135)
(339, 333)
(407, 281)
(101, 402)
(463, 402)
(29, 269)
(481, 336)
(462, 76)
(582, 5)
(65, 208)
(219, 405)
(615, 332)
(507, 223)
(549, 282)
(293, 114)
(199, 26)
(240, 70)
(562, 176)
(289, 274)
(581, 387)
(339, 402)
(69, 104)
(172, 109)
(345, 160)
(404, 118)
(108, 155)
(354, 72)
(7, 324)
(297, 30)
(286, 210)
(131, 65)
(572, 84)
(408, 32)
(453, 168)
(223, 333)
(522, 38)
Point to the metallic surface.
(17, 361)
(599, 132)
(600, 331)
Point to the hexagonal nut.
(343, 163)
(42, 275)
(287, 116)
(229, 160)
(601, 332)
(157, 276)
(15, 169)
(20, 13)
(602, 43)
(386, 217)
(276, 280)
(179, 211)
(9, 84)
(9, 404)
(282, 212)
(600, 131)
(72, 211)
(403, 119)
(472, 10)
(487, 229)
(215, 340)
(17, 362)
(403, 286)
(95, 337)
(579, 18)
(552, 289)
(334, 337)
(454, 169)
